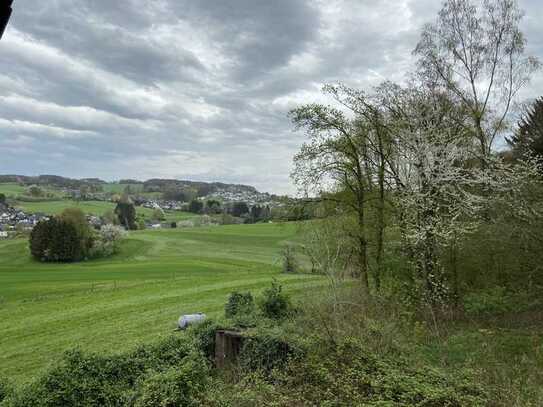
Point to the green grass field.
(112, 304)
(11, 190)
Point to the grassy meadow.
(113, 304)
(11, 189)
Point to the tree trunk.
(454, 266)
(482, 141)
(362, 244)
(380, 218)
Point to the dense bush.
(349, 375)
(85, 233)
(266, 350)
(56, 240)
(275, 304)
(239, 304)
(355, 376)
(119, 380)
(178, 386)
(203, 336)
(196, 206)
(498, 300)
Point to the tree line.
(412, 171)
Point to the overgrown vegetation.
(280, 364)
(170, 372)
(409, 172)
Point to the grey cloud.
(110, 34)
(191, 89)
(258, 35)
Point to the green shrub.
(178, 386)
(239, 304)
(349, 374)
(203, 336)
(56, 240)
(252, 389)
(77, 218)
(499, 300)
(267, 350)
(96, 380)
(107, 241)
(274, 303)
(346, 374)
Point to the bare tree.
(476, 51)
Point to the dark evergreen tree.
(240, 209)
(256, 213)
(77, 218)
(56, 240)
(213, 206)
(528, 139)
(126, 212)
(196, 206)
(40, 238)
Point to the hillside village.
(12, 219)
(151, 194)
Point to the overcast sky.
(191, 89)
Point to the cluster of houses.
(159, 204)
(12, 219)
(251, 198)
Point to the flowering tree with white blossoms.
(440, 194)
(107, 240)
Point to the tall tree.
(476, 51)
(378, 149)
(335, 159)
(528, 139)
(126, 212)
(196, 206)
(239, 209)
(77, 218)
(433, 188)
